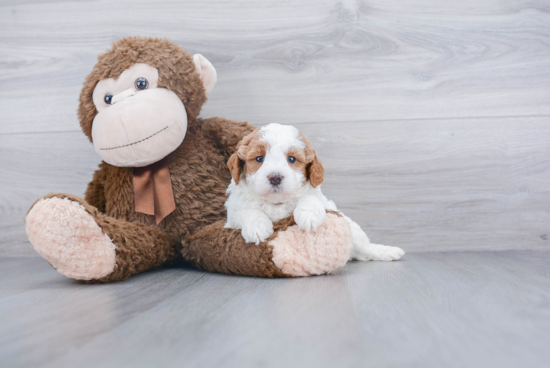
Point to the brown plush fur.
(199, 179)
(176, 73)
(219, 249)
(138, 247)
(198, 171)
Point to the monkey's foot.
(68, 237)
(301, 253)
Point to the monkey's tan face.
(137, 123)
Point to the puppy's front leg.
(309, 213)
(256, 226)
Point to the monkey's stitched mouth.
(131, 144)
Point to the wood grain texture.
(486, 309)
(283, 61)
(427, 185)
(437, 185)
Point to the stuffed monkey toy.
(159, 193)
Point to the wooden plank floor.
(485, 309)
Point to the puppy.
(275, 173)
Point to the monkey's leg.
(83, 244)
(289, 252)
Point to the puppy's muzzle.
(275, 179)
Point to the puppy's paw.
(257, 230)
(390, 253)
(309, 218)
(376, 252)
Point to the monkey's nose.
(275, 178)
(122, 95)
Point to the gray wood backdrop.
(432, 117)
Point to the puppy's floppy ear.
(235, 166)
(315, 171)
(237, 160)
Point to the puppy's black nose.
(275, 179)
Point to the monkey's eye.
(108, 98)
(291, 159)
(260, 159)
(141, 84)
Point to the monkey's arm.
(95, 193)
(225, 134)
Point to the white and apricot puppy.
(275, 173)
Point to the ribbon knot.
(153, 190)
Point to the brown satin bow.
(153, 190)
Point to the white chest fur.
(242, 198)
(278, 211)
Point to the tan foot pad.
(68, 237)
(300, 253)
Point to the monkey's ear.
(206, 71)
(235, 165)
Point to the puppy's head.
(276, 161)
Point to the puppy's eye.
(108, 98)
(291, 159)
(141, 84)
(260, 159)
